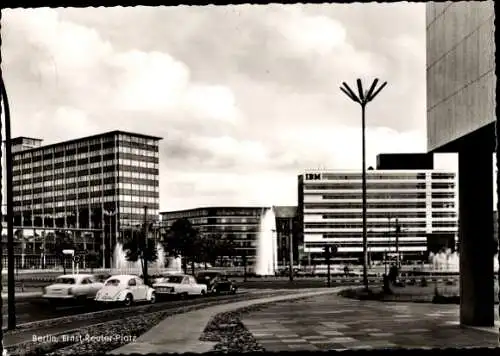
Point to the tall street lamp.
(11, 308)
(497, 177)
(363, 98)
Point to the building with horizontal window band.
(421, 202)
(242, 225)
(94, 188)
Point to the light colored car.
(72, 287)
(179, 284)
(125, 289)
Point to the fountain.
(122, 266)
(450, 262)
(174, 264)
(266, 250)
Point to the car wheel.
(203, 293)
(128, 300)
(152, 300)
(184, 295)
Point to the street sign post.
(72, 253)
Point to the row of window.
(58, 159)
(372, 175)
(44, 168)
(371, 244)
(444, 224)
(375, 214)
(392, 216)
(359, 224)
(378, 205)
(174, 215)
(72, 201)
(369, 185)
(70, 178)
(83, 193)
(374, 195)
(83, 186)
(347, 234)
(378, 185)
(369, 205)
(389, 196)
(87, 178)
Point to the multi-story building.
(95, 188)
(243, 225)
(288, 229)
(415, 202)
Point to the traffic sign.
(68, 252)
(76, 259)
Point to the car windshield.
(65, 280)
(173, 279)
(113, 283)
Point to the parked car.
(71, 288)
(180, 285)
(216, 282)
(126, 290)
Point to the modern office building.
(94, 188)
(461, 87)
(288, 229)
(419, 202)
(242, 225)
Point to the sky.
(245, 97)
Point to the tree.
(208, 250)
(93, 258)
(226, 247)
(182, 239)
(137, 247)
(63, 241)
(244, 259)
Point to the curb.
(23, 296)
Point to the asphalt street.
(37, 309)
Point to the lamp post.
(11, 306)
(497, 163)
(109, 213)
(363, 98)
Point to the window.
(132, 283)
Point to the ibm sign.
(313, 176)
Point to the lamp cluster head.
(363, 97)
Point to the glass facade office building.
(93, 187)
(422, 203)
(242, 224)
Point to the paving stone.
(306, 347)
(293, 341)
(409, 325)
(330, 333)
(381, 334)
(341, 340)
(263, 334)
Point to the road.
(26, 334)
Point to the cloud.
(245, 96)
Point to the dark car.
(216, 282)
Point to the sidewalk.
(180, 333)
(335, 323)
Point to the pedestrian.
(346, 271)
